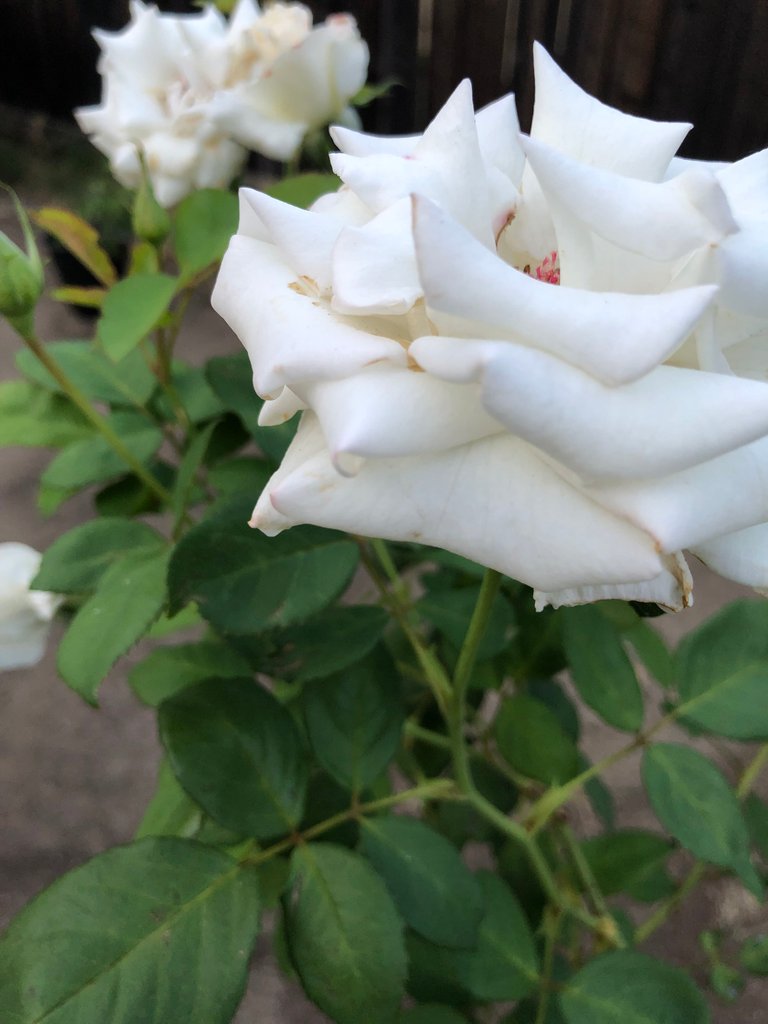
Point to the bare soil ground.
(74, 781)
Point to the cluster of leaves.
(311, 775)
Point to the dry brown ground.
(74, 781)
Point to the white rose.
(160, 77)
(25, 615)
(286, 78)
(547, 354)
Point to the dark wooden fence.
(700, 60)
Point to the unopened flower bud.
(21, 273)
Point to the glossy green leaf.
(328, 643)
(77, 560)
(505, 964)
(237, 753)
(129, 382)
(241, 475)
(203, 225)
(200, 401)
(114, 940)
(131, 309)
(601, 670)
(532, 740)
(244, 582)
(345, 936)
(632, 988)
(433, 972)
(303, 189)
(169, 670)
(622, 860)
(354, 721)
(723, 672)
(129, 598)
(432, 888)
(696, 805)
(31, 416)
(94, 460)
(170, 812)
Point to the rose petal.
(584, 128)
(616, 337)
(287, 332)
(672, 588)
(741, 556)
(494, 501)
(669, 420)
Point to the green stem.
(584, 871)
(689, 883)
(552, 922)
(554, 798)
(95, 418)
(478, 625)
(397, 601)
(751, 772)
(433, 789)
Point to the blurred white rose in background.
(189, 93)
(25, 615)
(547, 353)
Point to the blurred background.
(690, 60)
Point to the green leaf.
(505, 964)
(620, 861)
(345, 937)
(241, 475)
(200, 401)
(79, 238)
(432, 1013)
(354, 721)
(131, 309)
(93, 460)
(433, 972)
(601, 670)
(231, 378)
(632, 988)
(723, 672)
(203, 225)
(77, 560)
(327, 643)
(244, 582)
(33, 417)
(754, 955)
(185, 477)
(532, 740)
(432, 888)
(726, 982)
(129, 598)
(130, 382)
(114, 940)
(237, 753)
(170, 812)
(652, 651)
(169, 670)
(451, 610)
(696, 805)
(303, 189)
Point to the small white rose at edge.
(25, 615)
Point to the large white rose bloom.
(25, 615)
(189, 92)
(547, 353)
